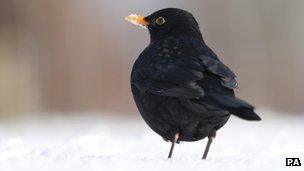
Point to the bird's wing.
(216, 67)
(174, 78)
(178, 77)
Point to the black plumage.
(179, 84)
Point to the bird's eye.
(160, 21)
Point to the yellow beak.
(137, 20)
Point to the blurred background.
(74, 55)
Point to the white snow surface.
(91, 142)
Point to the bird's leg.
(211, 136)
(174, 140)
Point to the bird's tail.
(235, 106)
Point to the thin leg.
(174, 140)
(210, 139)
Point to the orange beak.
(137, 20)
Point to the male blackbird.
(181, 88)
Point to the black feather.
(234, 105)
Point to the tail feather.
(236, 106)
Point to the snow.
(98, 142)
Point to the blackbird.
(181, 88)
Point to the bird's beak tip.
(137, 20)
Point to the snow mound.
(99, 143)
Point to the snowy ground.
(112, 143)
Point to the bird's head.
(167, 22)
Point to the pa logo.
(293, 162)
